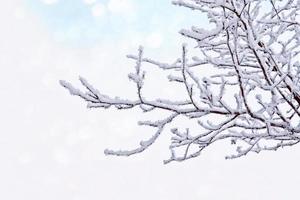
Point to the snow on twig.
(252, 100)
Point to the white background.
(51, 146)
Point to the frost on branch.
(252, 99)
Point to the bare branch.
(252, 100)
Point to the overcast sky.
(51, 146)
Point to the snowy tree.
(254, 92)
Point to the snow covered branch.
(253, 98)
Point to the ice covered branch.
(252, 99)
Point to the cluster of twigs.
(254, 50)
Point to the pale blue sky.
(73, 22)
